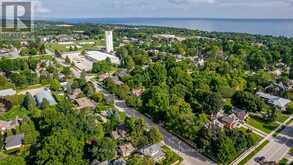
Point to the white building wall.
(109, 41)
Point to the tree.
(57, 53)
(66, 71)
(157, 73)
(29, 102)
(104, 149)
(61, 147)
(128, 62)
(67, 60)
(290, 108)
(30, 132)
(256, 61)
(156, 102)
(45, 104)
(55, 85)
(211, 103)
(102, 66)
(43, 49)
(247, 101)
(154, 136)
(16, 160)
(83, 52)
(226, 150)
(139, 160)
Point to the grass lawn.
(3, 155)
(256, 138)
(170, 157)
(266, 127)
(56, 46)
(282, 118)
(251, 155)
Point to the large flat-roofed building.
(100, 56)
(109, 41)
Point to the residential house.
(122, 73)
(106, 114)
(274, 100)
(45, 94)
(96, 162)
(154, 151)
(75, 94)
(119, 162)
(85, 103)
(229, 121)
(15, 141)
(120, 133)
(126, 149)
(216, 123)
(116, 80)
(109, 99)
(8, 125)
(104, 76)
(276, 89)
(7, 92)
(240, 114)
(137, 92)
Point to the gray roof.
(154, 151)
(7, 92)
(150, 150)
(274, 100)
(119, 162)
(45, 94)
(14, 140)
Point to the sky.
(164, 8)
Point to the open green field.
(264, 126)
(64, 48)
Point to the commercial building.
(274, 100)
(100, 56)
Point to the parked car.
(260, 160)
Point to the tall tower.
(109, 41)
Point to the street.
(277, 148)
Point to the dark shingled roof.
(14, 140)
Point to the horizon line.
(228, 18)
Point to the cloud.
(191, 1)
(38, 7)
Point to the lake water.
(275, 27)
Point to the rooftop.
(15, 140)
(45, 94)
(100, 56)
(7, 92)
(274, 100)
(85, 103)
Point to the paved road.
(277, 148)
(250, 150)
(190, 155)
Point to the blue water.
(275, 27)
